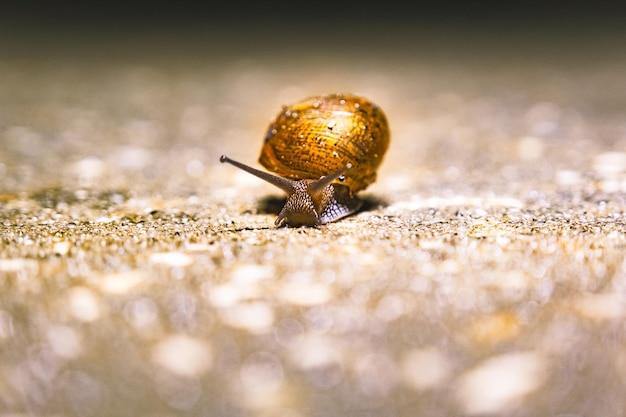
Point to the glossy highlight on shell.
(324, 150)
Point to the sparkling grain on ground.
(485, 276)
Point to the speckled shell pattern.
(321, 134)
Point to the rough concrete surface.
(484, 276)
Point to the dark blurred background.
(289, 27)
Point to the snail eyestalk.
(324, 182)
(284, 184)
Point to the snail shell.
(325, 149)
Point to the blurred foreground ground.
(486, 276)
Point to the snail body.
(324, 150)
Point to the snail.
(324, 149)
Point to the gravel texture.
(484, 276)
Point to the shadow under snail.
(324, 149)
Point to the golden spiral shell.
(322, 134)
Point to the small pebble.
(121, 282)
(530, 147)
(567, 177)
(609, 163)
(183, 355)
(16, 264)
(174, 259)
(256, 317)
(602, 306)
(84, 304)
(64, 341)
(425, 368)
(305, 293)
(497, 384)
(252, 272)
